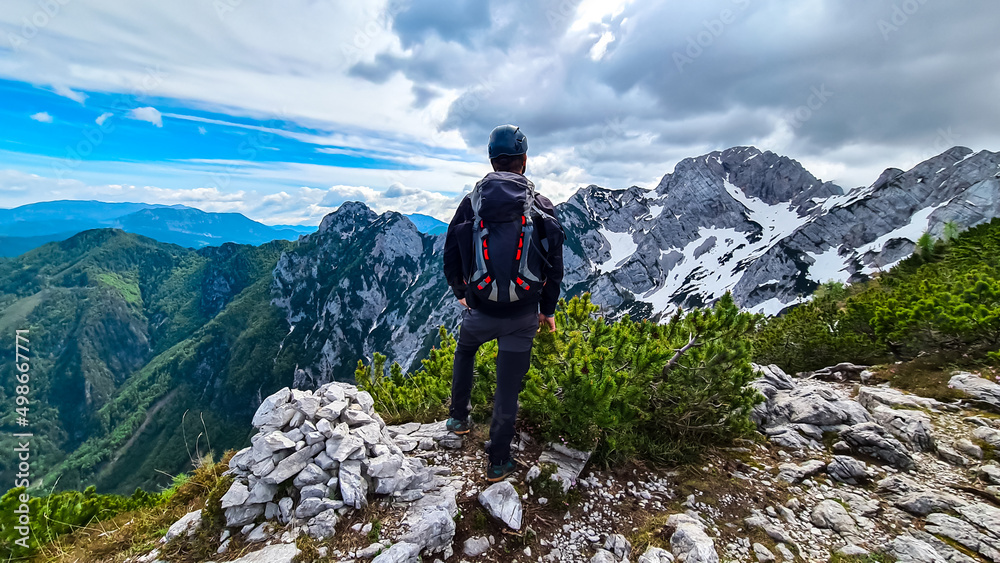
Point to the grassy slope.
(117, 321)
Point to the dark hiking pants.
(514, 338)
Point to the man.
(503, 261)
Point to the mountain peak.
(347, 218)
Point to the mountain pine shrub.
(945, 299)
(64, 511)
(421, 396)
(623, 389)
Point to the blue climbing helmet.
(507, 140)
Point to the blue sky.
(282, 111)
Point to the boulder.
(990, 473)
(656, 555)
(430, 522)
(186, 526)
(619, 546)
(242, 515)
(848, 470)
(922, 503)
(475, 546)
(272, 411)
(983, 391)
(989, 435)
(603, 556)
(772, 377)
(788, 436)
(949, 455)
(832, 515)
(983, 515)
(503, 503)
(277, 553)
(311, 474)
(323, 525)
(689, 542)
(873, 440)
(963, 533)
(773, 531)
(949, 553)
(402, 552)
(310, 507)
(816, 405)
(261, 492)
(968, 448)
(909, 549)
(292, 465)
(873, 397)
(353, 485)
(237, 495)
(912, 428)
(793, 473)
(569, 463)
(851, 550)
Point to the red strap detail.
(520, 242)
(526, 287)
(481, 225)
(523, 220)
(518, 257)
(486, 253)
(484, 283)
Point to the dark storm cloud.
(451, 20)
(820, 74)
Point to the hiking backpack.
(508, 241)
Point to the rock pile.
(318, 454)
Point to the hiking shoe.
(496, 473)
(459, 427)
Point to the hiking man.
(503, 261)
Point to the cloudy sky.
(284, 110)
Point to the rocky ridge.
(835, 475)
(740, 220)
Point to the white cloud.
(202, 130)
(209, 196)
(78, 97)
(740, 89)
(600, 48)
(42, 116)
(149, 114)
(398, 197)
(102, 118)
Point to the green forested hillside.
(943, 302)
(126, 334)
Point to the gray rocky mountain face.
(740, 220)
(363, 283)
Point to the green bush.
(624, 389)
(62, 512)
(832, 328)
(419, 396)
(942, 299)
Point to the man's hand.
(464, 304)
(547, 321)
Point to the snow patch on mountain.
(778, 220)
(622, 247)
(828, 266)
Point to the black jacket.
(459, 259)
